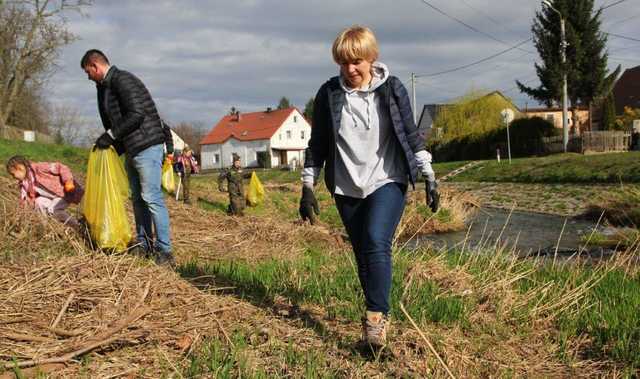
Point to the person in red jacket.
(48, 187)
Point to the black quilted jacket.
(327, 113)
(127, 109)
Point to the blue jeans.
(371, 223)
(145, 177)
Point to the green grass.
(331, 281)
(444, 168)
(74, 157)
(217, 359)
(560, 168)
(607, 313)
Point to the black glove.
(104, 141)
(433, 197)
(308, 205)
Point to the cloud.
(199, 58)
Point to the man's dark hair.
(93, 55)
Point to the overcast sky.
(199, 58)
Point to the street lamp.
(507, 116)
(563, 52)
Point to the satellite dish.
(507, 115)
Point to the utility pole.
(565, 115)
(413, 97)
(563, 55)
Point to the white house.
(283, 135)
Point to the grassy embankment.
(486, 314)
(560, 168)
(564, 184)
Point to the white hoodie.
(367, 154)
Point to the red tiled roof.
(252, 126)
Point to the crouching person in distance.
(48, 187)
(364, 136)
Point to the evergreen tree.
(284, 103)
(586, 64)
(609, 113)
(308, 109)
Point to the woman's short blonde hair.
(356, 42)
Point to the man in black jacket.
(133, 126)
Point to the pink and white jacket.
(50, 177)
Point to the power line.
(476, 62)
(623, 37)
(471, 27)
(620, 22)
(500, 64)
(488, 17)
(612, 4)
(624, 48)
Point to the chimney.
(238, 117)
(268, 109)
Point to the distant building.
(428, 117)
(431, 112)
(626, 91)
(554, 116)
(280, 135)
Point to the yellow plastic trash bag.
(168, 178)
(103, 205)
(255, 194)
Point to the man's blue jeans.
(371, 223)
(145, 178)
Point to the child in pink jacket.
(49, 187)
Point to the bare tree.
(66, 124)
(192, 133)
(32, 33)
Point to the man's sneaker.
(165, 259)
(374, 329)
(139, 251)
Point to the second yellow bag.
(168, 178)
(255, 194)
(103, 205)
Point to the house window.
(295, 118)
(551, 118)
(302, 134)
(288, 134)
(216, 158)
(280, 136)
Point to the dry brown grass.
(459, 207)
(48, 274)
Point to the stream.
(527, 233)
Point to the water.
(529, 232)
